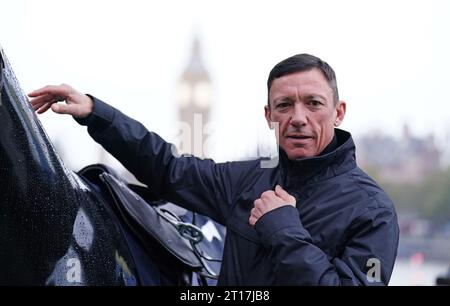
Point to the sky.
(390, 57)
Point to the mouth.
(298, 137)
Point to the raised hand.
(268, 201)
(76, 104)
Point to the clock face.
(184, 94)
(202, 94)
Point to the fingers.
(267, 194)
(279, 191)
(269, 201)
(252, 221)
(61, 108)
(41, 100)
(257, 203)
(43, 108)
(42, 103)
(44, 97)
(254, 216)
(256, 212)
(54, 90)
(47, 97)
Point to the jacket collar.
(318, 168)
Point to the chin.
(296, 154)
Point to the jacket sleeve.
(199, 185)
(366, 259)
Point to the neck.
(331, 146)
(339, 151)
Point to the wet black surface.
(53, 228)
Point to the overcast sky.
(391, 59)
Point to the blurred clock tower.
(194, 103)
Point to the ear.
(341, 108)
(267, 112)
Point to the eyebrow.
(314, 96)
(283, 99)
(307, 97)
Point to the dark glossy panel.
(53, 228)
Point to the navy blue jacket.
(344, 230)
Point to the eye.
(283, 105)
(315, 103)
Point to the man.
(314, 219)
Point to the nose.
(299, 115)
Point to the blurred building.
(408, 160)
(194, 95)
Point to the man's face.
(302, 104)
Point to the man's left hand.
(268, 201)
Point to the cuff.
(278, 219)
(102, 113)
